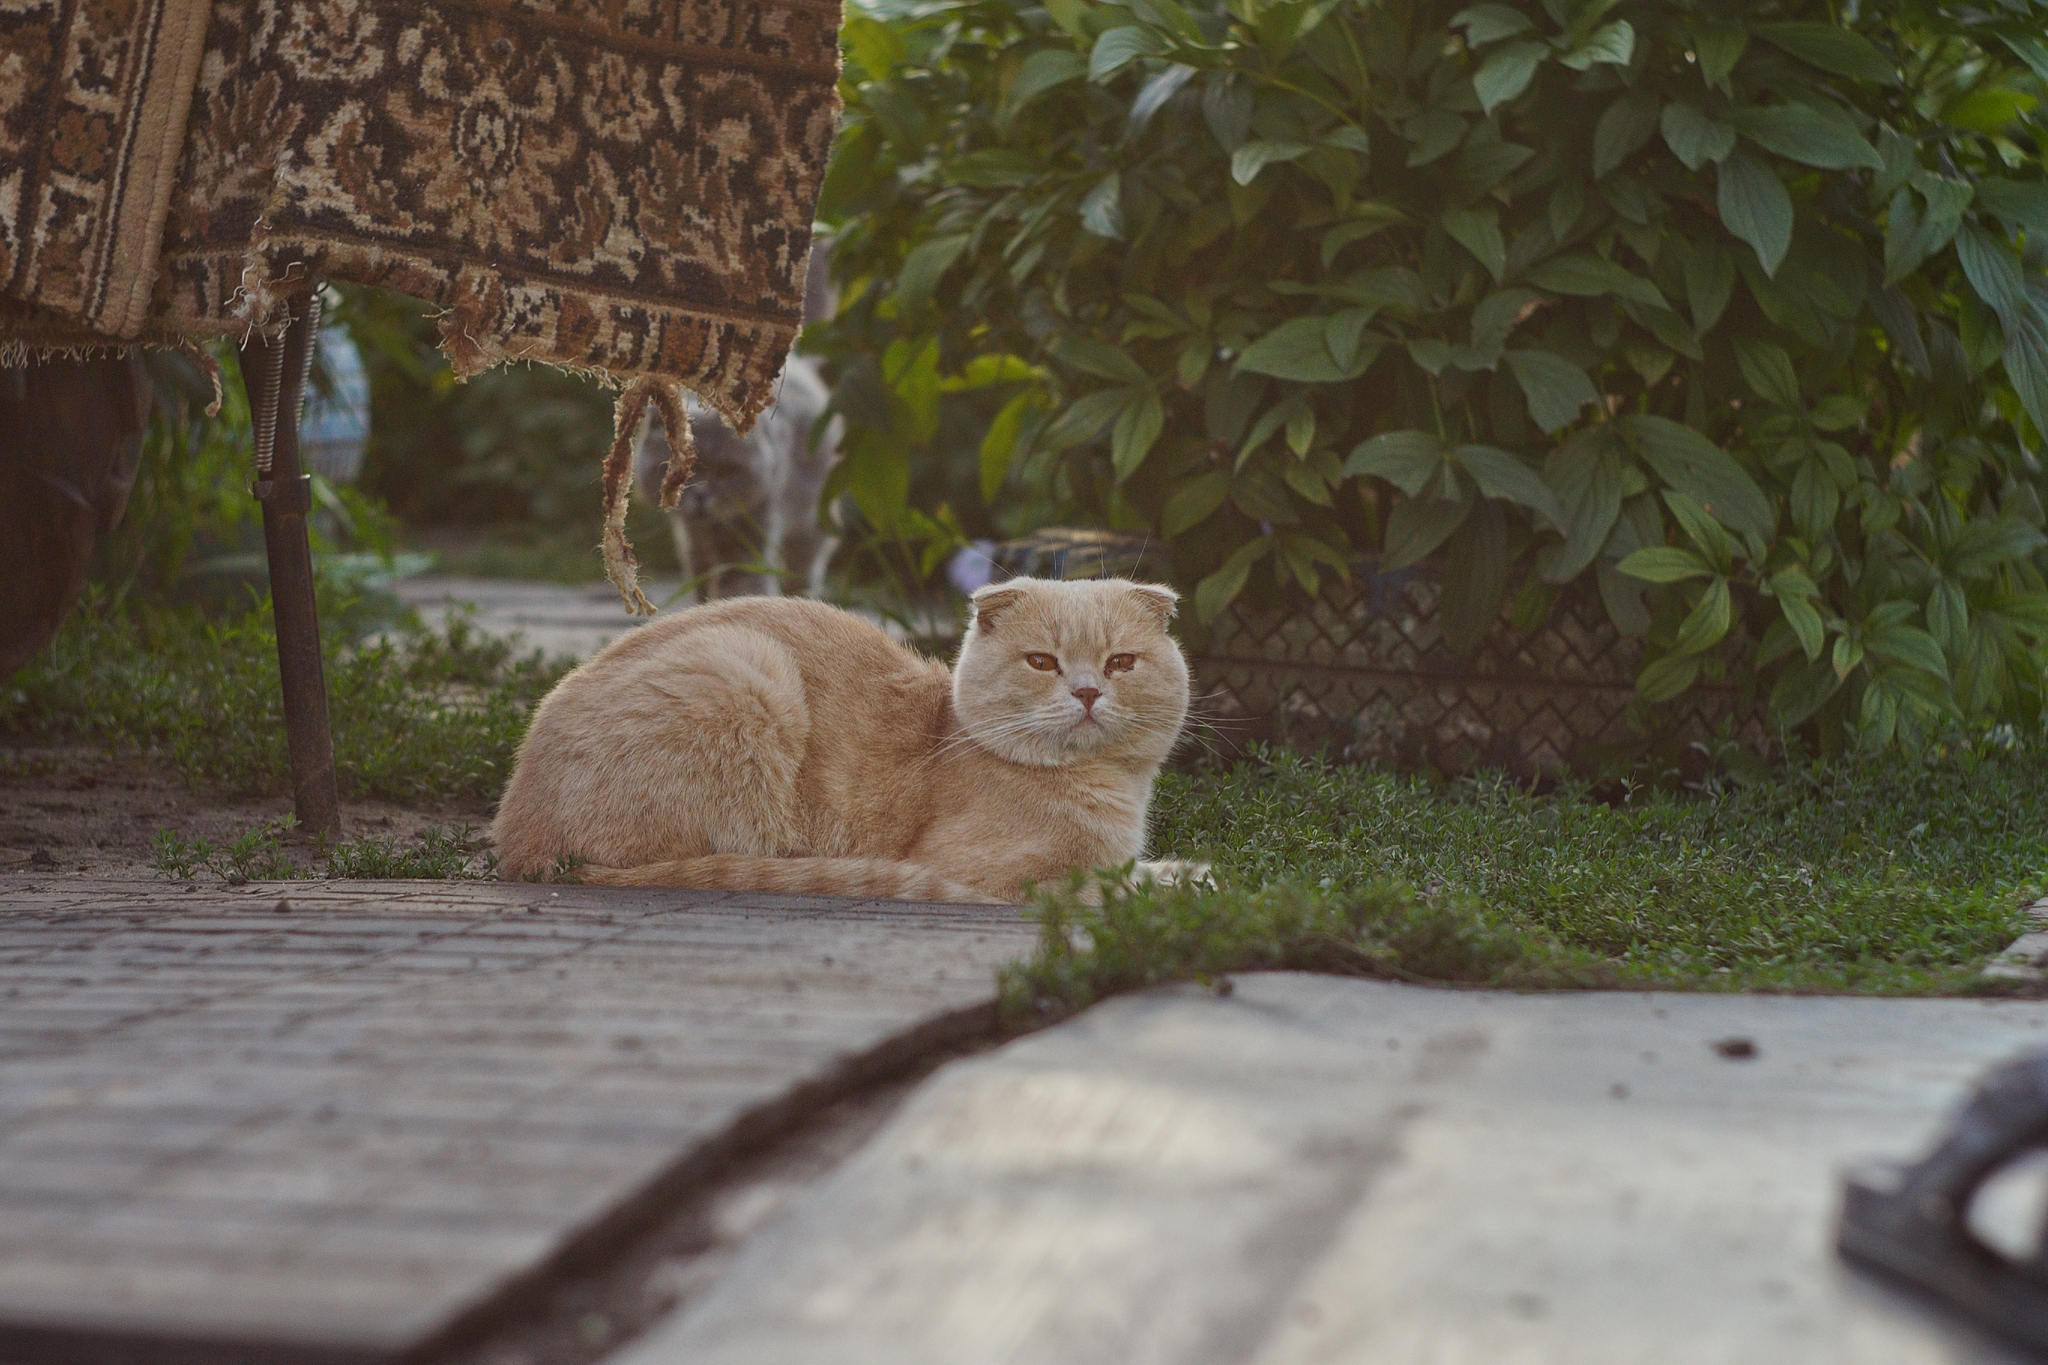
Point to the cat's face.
(1053, 672)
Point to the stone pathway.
(1315, 1171)
(341, 1122)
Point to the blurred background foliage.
(1737, 308)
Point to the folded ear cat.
(779, 744)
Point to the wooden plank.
(329, 1134)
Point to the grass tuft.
(1147, 935)
(261, 854)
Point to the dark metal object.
(70, 438)
(275, 372)
(1911, 1221)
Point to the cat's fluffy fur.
(780, 744)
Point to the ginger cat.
(780, 744)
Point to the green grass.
(262, 854)
(417, 717)
(1900, 875)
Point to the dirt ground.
(76, 809)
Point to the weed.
(258, 855)
(458, 854)
(1146, 934)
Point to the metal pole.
(276, 372)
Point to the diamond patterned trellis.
(1364, 670)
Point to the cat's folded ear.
(1156, 599)
(992, 601)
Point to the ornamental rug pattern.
(617, 185)
(93, 99)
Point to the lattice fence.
(1365, 672)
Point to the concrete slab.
(335, 1128)
(1335, 1171)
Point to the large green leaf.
(1485, 24)
(1299, 349)
(2021, 203)
(1102, 209)
(1137, 429)
(1911, 235)
(1506, 73)
(1255, 156)
(1099, 358)
(1586, 473)
(1418, 525)
(1708, 621)
(1709, 280)
(1804, 135)
(1215, 592)
(1704, 472)
(922, 269)
(1475, 578)
(1832, 48)
(1695, 138)
(1906, 647)
(1799, 692)
(999, 443)
(1496, 317)
(1405, 459)
(1086, 418)
(1118, 47)
(1993, 269)
(1662, 679)
(1194, 501)
(1665, 564)
(1768, 370)
(1981, 546)
(2026, 355)
(1627, 124)
(1478, 231)
(1501, 475)
(1556, 389)
(1608, 45)
(1755, 207)
(1589, 276)
(1043, 71)
(1719, 47)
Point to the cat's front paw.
(1174, 872)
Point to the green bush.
(1737, 308)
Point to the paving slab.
(1315, 1171)
(338, 1128)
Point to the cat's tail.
(814, 876)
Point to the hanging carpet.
(623, 187)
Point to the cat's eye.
(1044, 663)
(1121, 663)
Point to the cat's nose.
(1088, 697)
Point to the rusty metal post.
(275, 372)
